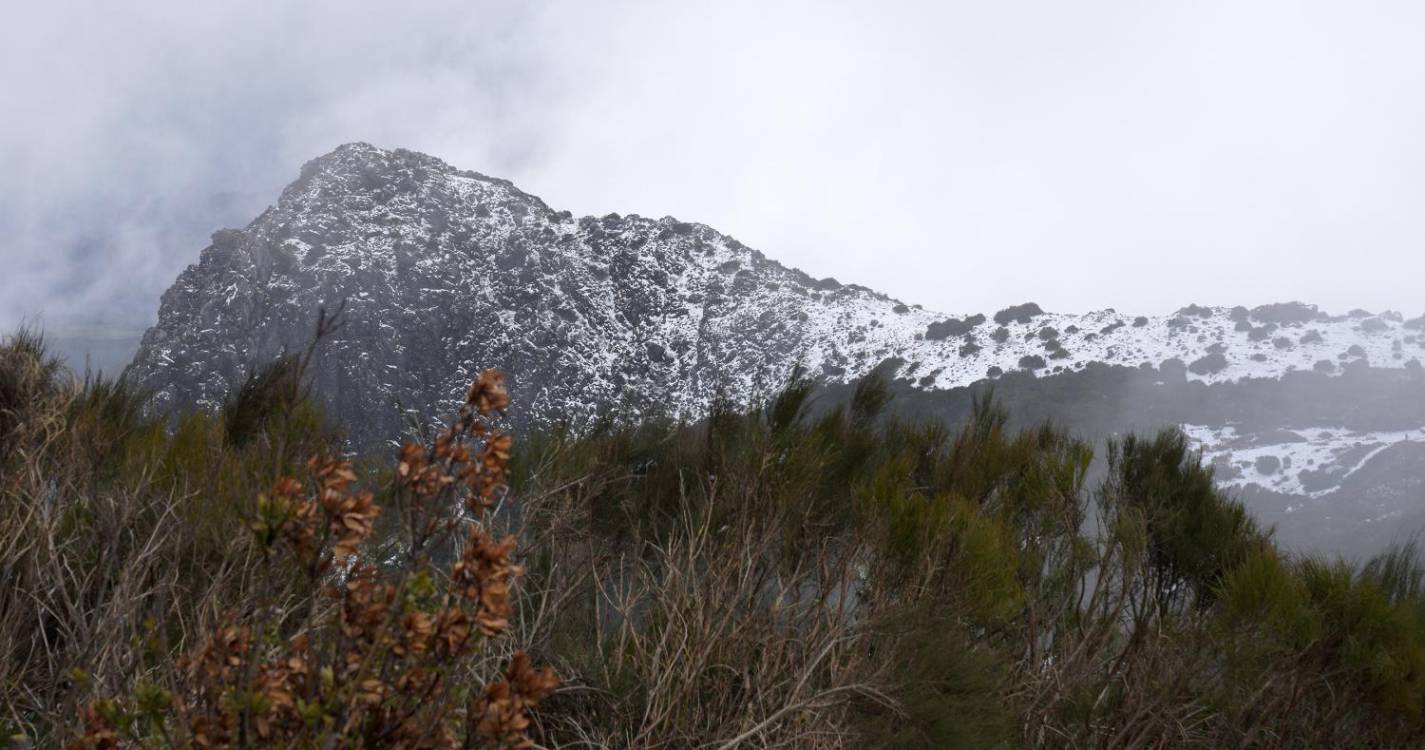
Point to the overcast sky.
(960, 155)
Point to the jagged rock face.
(446, 272)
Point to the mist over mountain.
(443, 272)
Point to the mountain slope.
(445, 272)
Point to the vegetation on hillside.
(786, 576)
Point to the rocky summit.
(445, 272)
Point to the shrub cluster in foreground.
(765, 578)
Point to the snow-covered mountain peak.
(446, 271)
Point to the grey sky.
(960, 155)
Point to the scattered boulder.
(892, 365)
(1018, 313)
(1282, 342)
(994, 371)
(1285, 312)
(1000, 335)
(657, 353)
(1195, 311)
(1048, 333)
(1224, 470)
(953, 327)
(1374, 325)
(1268, 465)
(1208, 365)
(1311, 337)
(1140, 321)
(1360, 365)
(1324, 366)
(1032, 362)
(1319, 480)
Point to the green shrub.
(810, 573)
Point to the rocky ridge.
(445, 272)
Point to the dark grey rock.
(446, 272)
(953, 327)
(1285, 312)
(1212, 363)
(1018, 313)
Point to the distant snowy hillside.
(1309, 462)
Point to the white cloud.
(960, 155)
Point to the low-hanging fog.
(962, 156)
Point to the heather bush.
(181, 588)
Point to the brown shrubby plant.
(385, 654)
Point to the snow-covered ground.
(1311, 462)
(1214, 342)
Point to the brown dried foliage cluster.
(380, 656)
